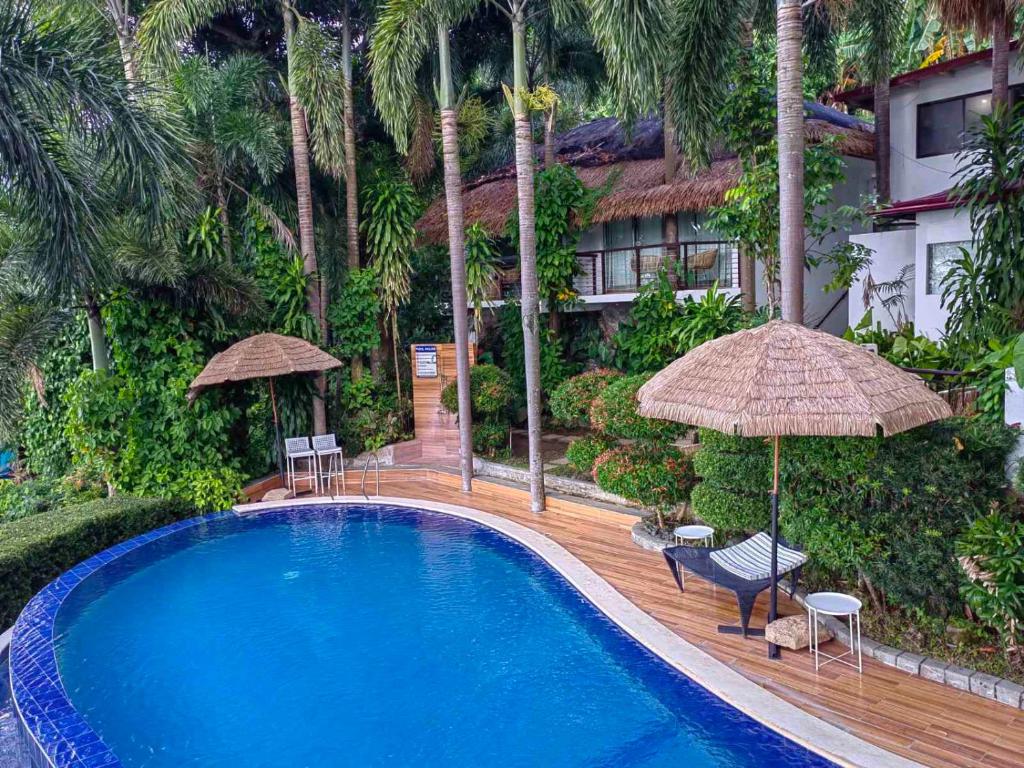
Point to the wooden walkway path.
(921, 720)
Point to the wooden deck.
(921, 720)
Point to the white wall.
(934, 227)
(893, 250)
(915, 177)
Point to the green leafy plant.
(490, 391)
(654, 476)
(646, 340)
(714, 314)
(614, 412)
(353, 315)
(481, 270)
(583, 452)
(991, 553)
(570, 402)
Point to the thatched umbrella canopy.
(784, 379)
(263, 356)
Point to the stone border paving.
(979, 683)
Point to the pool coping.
(58, 736)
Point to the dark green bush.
(583, 452)
(489, 437)
(37, 549)
(40, 494)
(885, 512)
(570, 403)
(655, 476)
(614, 412)
(490, 392)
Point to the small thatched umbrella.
(782, 379)
(263, 356)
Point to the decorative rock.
(984, 685)
(910, 662)
(887, 654)
(791, 632)
(958, 677)
(279, 494)
(934, 670)
(1010, 693)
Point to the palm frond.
(317, 81)
(25, 330)
(167, 23)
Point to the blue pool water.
(375, 636)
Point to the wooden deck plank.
(927, 722)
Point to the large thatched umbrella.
(264, 356)
(782, 379)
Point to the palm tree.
(313, 94)
(880, 25)
(985, 17)
(77, 145)
(402, 38)
(791, 158)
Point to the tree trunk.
(118, 10)
(351, 182)
(457, 252)
(748, 282)
(394, 354)
(791, 159)
(304, 200)
(748, 262)
(550, 155)
(527, 256)
(1000, 58)
(97, 337)
(670, 222)
(883, 144)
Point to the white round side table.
(698, 534)
(834, 604)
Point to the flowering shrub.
(614, 412)
(654, 476)
(490, 391)
(570, 402)
(582, 453)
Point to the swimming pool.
(370, 635)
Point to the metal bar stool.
(297, 449)
(327, 448)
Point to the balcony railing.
(958, 388)
(692, 265)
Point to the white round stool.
(834, 604)
(698, 534)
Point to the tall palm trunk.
(1000, 57)
(97, 339)
(748, 262)
(118, 10)
(883, 145)
(304, 201)
(530, 309)
(550, 153)
(351, 182)
(670, 221)
(791, 159)
(457, 251)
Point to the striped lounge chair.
(743, 568)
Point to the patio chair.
(327, 449)
(701, 263)
(296, 449)
(743, 568)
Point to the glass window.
(940, 127)
(942, 257)
(976, 107)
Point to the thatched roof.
(262, 356)
(601, 150)
(784, 379)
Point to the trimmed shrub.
(490, 392)
(570, 402)
(37, 549)
(582, 453)
(885, 512)
(614, 412)
(654, 476)
(489, 437)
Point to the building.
(922, 232)
(625, 247)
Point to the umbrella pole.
(773, 605)
(277, 429)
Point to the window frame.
(929, 263)
(1016, 92)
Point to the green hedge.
(35, 550)
(614, 412)
(570, 402)
(659, 477)
(882, 511)
(583, 452)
